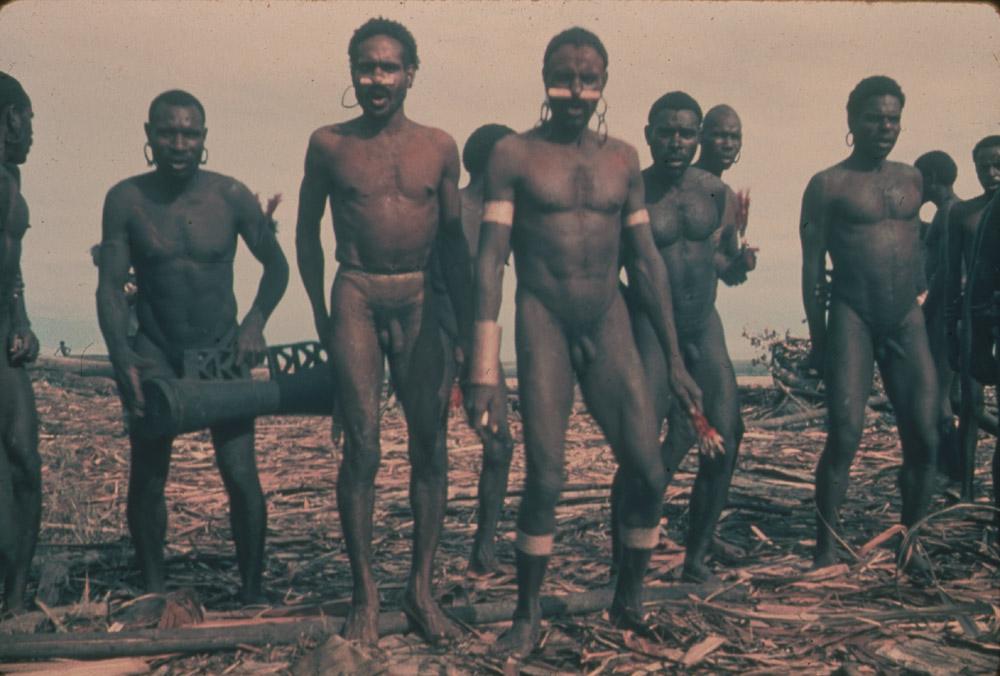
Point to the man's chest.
(555, 183)
(877, 199)
(367, 171)
(202, 230)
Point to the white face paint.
(566, 93)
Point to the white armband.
(637, 217)
(500, 212)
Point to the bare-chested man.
(20, 466)
(938, 171)
(498, 447)
(566, 199)
(864, 212)
(692, 228)
(721, 140)
(981, 309)
(963, 223)
(178, 226)
(392, 185)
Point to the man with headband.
(392, 185)
(688, 211)
(178, 226)
(579, 203)
(20, 466)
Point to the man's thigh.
(654, 363)
(356, 357)
(18, 428)
(713, 372)
(545, 380)
(421, 370)
(850, 365)
(617, 390)
(908, 371)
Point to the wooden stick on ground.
(229, 636)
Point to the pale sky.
(269, 73)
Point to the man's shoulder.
(699, 179)
(227, 186)
(330, 135)
(620, 147)
(904, 171)
(968, 210)
(438, 137)
(827, 179)
(128, 189)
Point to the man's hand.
(22, 346)
(745, 261)
(128, 369)
(483, 407)
(250, 345)
(684, 388)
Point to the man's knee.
(545, 485)
(844, 435)
(498, 449)
(25, 465)
(362, 456)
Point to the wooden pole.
(229, 636)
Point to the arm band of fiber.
(641, 538)
(500, 212)
(485, 367)
(534, 545)
(637, 217)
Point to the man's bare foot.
(824, 558)
(428, 619)
(697, 571)
(483, 559)
(632, 619)
(255, 597)
(361, 625)
(518, 641)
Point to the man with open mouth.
(392, 185)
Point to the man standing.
(863, 211)
(392, 185)
(566, 200)
(688, 213)
(963, 224)
(938, 172)
(721, 140)
(178, 226)
(498, 447)
(20, 466)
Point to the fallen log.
(807, 416)
(230, 635)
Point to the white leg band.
(534, 545)
(641, 538)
